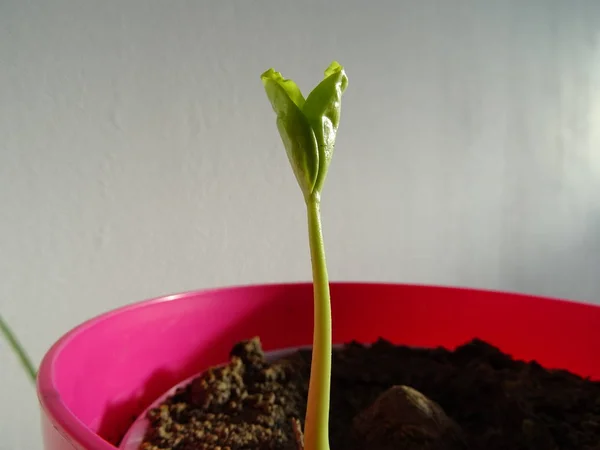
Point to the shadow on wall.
(567, 269)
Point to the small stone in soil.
(402, 418)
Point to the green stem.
(316, 426)
(18, 349)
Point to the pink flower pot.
(99, 377)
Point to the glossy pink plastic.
(99, 377)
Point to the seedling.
(308, 128)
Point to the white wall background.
(139, 155)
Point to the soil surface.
(384, 397)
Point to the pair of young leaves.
(308, 127)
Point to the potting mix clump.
(383, 397)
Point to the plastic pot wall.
(100, 376)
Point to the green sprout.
(308, 128)
(18, 349)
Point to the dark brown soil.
(384, 397)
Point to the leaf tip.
(270, 75)
(335, 68)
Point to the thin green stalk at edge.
(316, 433)
(18, 349)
